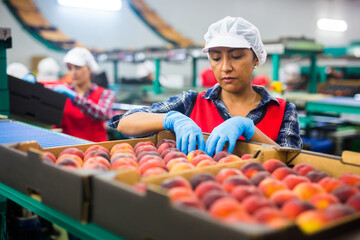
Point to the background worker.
(88, 105)
(229, 110)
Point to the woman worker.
(229, 110)
(88, 105)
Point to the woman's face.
(233, 67)
(79, 74)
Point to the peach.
(258, 177)
(225, 173)
(269, 186)
(99, 160)
(344, 192)
(229, 158)
(240, 192)
(303, 168)
(164, 144)
(181, 167)
(118, 151)
(175, 161)
(48, 157)
(206, 163)
(154, 171)
(292, 180)
(294, 207)
(72, 151)
(316, 175)
(177, 193)
(94, 153)
(72, 156)
(282, 196)
(329, 184)
(247, 156)
(192, 202)
(144, 154)
(94, 165)
(172, 155)
(311, 221)
(350, 178)
(271, 164)
(201, 177)
(68, 162)
(281, 172)
(141, 144)
(98, 148)
(272, 217)
(225, 206)
(199, 158)
(191, 155)
(211, 196)
(150, 164)
(126, 168)
(140, 187)
(177, 181)
(354, 202)
(253, 203)
(206, 186)
(146, 158)
(337, 211)
(120, 162)
(306, 190)
(251, 168)
(231, 182)
(323, 200)
(220, 155)
(168, 150)
(145, 148)
(239, 216)
(122, 155)
(121, 146)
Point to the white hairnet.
(80, 57)
(235, 32)
(17, 70)
(48, 69)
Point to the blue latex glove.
(188, 133)
(62, 89)
(229, 131)
(29, 78)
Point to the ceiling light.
(335, 25)
(109, 5)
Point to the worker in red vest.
(232, 109)
(88, 105)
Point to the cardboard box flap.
(349, 157)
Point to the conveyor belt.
(13, 131)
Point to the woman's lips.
(228, 80)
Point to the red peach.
(259, 176)
(73, 151)
(220, 155)
(154, 171)
(247, 156)
(292, 180)
(150, 164)
(253, 203)
(99, 160)
(144, 154)
(94, 165)
(311, 221)
(200, 158)
(98, 148)
(121, 146)
(191, 155)
(206, 163)
(344, 192)
(192, 202)
(141, 144)
(230, 158)
(337, 211)
(146, 158)
(177, 193)
(251, 168)
(68, 162)
(48, 157)
(281, 172)
(201, 177)
(94, 153)
(122, 155)
(118, 151)
(231, 182)
(306, 190)
(177, 181)
(269, 186)
(212, 196)
(206, 186)
(168, 150)
(74, 157)
(272, 217)
(224, 173)
(225, 206)
(166, 143)
(354, 202)
(145, 148)
(140, 187)
(271, 164)
(330, 184)
(350, 178)
(124, 162)
(303, 168)
(175, 161)
(172, 155)
(126, 168)
(240, 192)
(282, 196)
(181, 167)
(323, 200)
(239, 216)
(316, 175)
(294, 207)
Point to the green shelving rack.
(5, 42)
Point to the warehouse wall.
(111, 30)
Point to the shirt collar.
(213, 94)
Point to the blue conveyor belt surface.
(13, 131)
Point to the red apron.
(207, 117)
(77, 124)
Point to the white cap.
(17, 70)
(80, 57)
(235, 32)
(48, 69)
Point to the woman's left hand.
(229, 131)
(62, 89)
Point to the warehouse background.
(124, 30)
